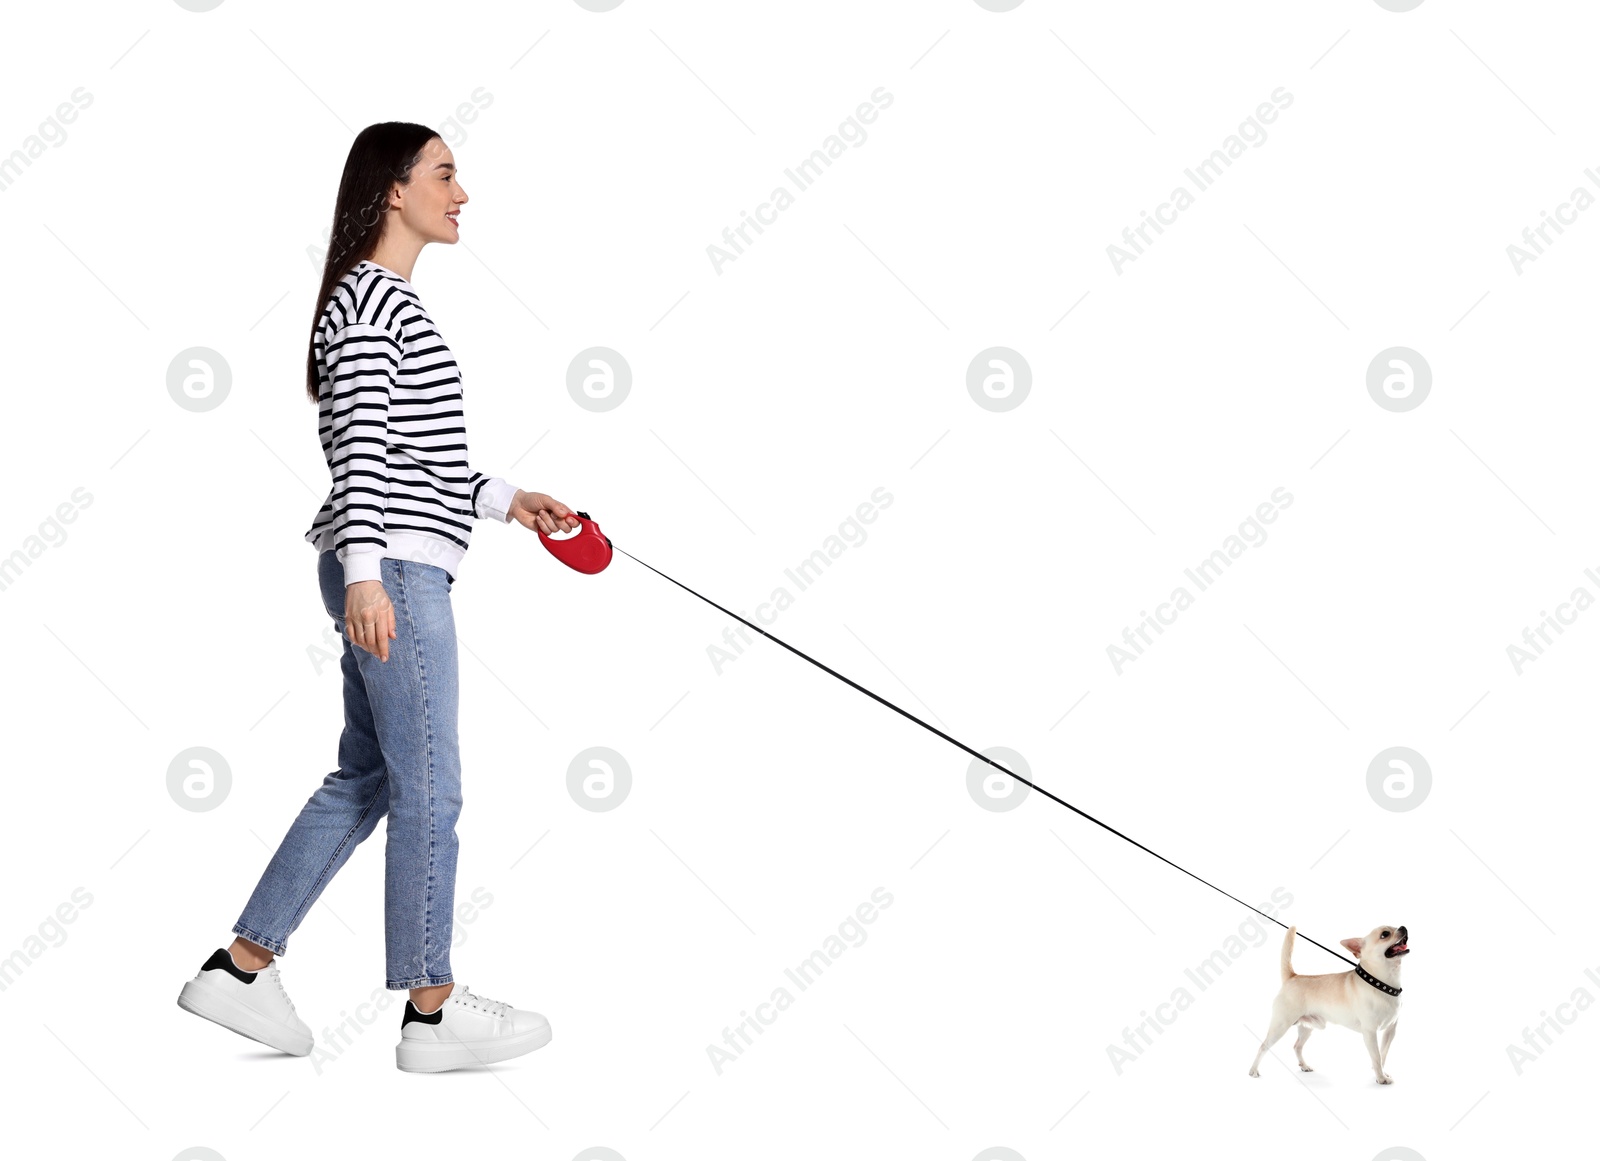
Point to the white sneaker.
(467, 1029)
(253, 1004)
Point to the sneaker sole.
(437, 1056)
(210, 1004)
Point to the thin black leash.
(975, 754)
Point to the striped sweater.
(389, 409)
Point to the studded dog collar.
(1376, 982)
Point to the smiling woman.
(395, 169)
(395, 526)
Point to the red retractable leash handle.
(587, 550)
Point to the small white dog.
(1366, 998)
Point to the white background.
(768, 401)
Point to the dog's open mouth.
(1397, 949)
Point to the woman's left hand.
(541, 513)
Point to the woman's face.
(429, 204)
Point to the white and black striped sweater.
(390, 418)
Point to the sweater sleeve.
(491, 497)
(363, 362)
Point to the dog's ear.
(1352, 945)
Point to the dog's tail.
(1288, 950)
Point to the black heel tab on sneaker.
(413, 1014)
(221, 959)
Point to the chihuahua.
(1366, 999)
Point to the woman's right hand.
(369, 617)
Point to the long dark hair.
(380, 155)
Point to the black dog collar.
(1376, 982)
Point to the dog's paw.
(1306, 1068)
(1253, 1072)
(1386, 1079)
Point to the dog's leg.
(1371, 1037)
(1299, 1043)
(1280, 1025)
(1388, 1039)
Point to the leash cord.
(975, 754)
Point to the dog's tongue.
(1401, 947)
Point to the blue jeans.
(398, 754)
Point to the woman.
(390, 537)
